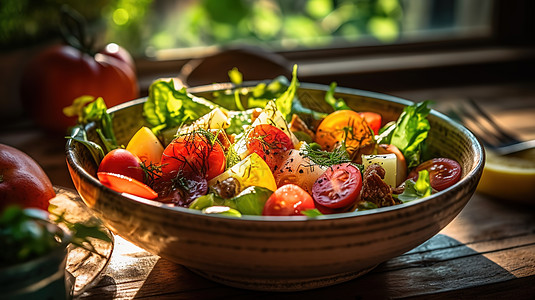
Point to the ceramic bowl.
(283, 253)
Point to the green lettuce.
(284, 102)
(167, 107)
(416, 190)
(409, 132)
(90, 109)
(336, 104)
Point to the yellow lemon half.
(509, 177)
(252, 171)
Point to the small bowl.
(42, 277)
(283, 253)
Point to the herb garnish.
(322, 158)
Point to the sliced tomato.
(345, 126)
(193, 154)
(121, 161)
(443, 172)
(338, 187)
(125, 184)
(269, 142)
(288, 200)
(374, 120)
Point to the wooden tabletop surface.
(488, 251)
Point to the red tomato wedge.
(288, 200)
(194, 155)
(269, 142)
(125, 184)
(338, 187)
(443, 172)
(373, 119)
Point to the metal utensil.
(492, 135)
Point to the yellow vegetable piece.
(215, 119)
(509, 177)
(388, 161)
(145, 145)
(252, 171)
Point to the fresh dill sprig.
(210, 136)
(232, 157)
(152, 173)
(322, 158)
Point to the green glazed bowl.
(283, 253)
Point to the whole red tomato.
(122, 161)
(22, 180)
(288, 200)
(120, 53)
(60, 74)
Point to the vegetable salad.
(259, 151)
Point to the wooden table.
(488, 251)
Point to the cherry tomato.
(121, 161)
(347, 126)
(443, 172)
(288, 200)
(58, 75)
(125, 184)
(22, 181)
(269, 142)
(193, 154)
(373, 119)
(338, 187)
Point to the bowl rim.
(476, 146)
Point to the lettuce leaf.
(284, 102)
(336, 104)
(279, 90)
(264, 92)
(409, 132)
(416, 190)
(90, 109)
(167, 107)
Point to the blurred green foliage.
(27, 22)
(280, 24)
(152, 24)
